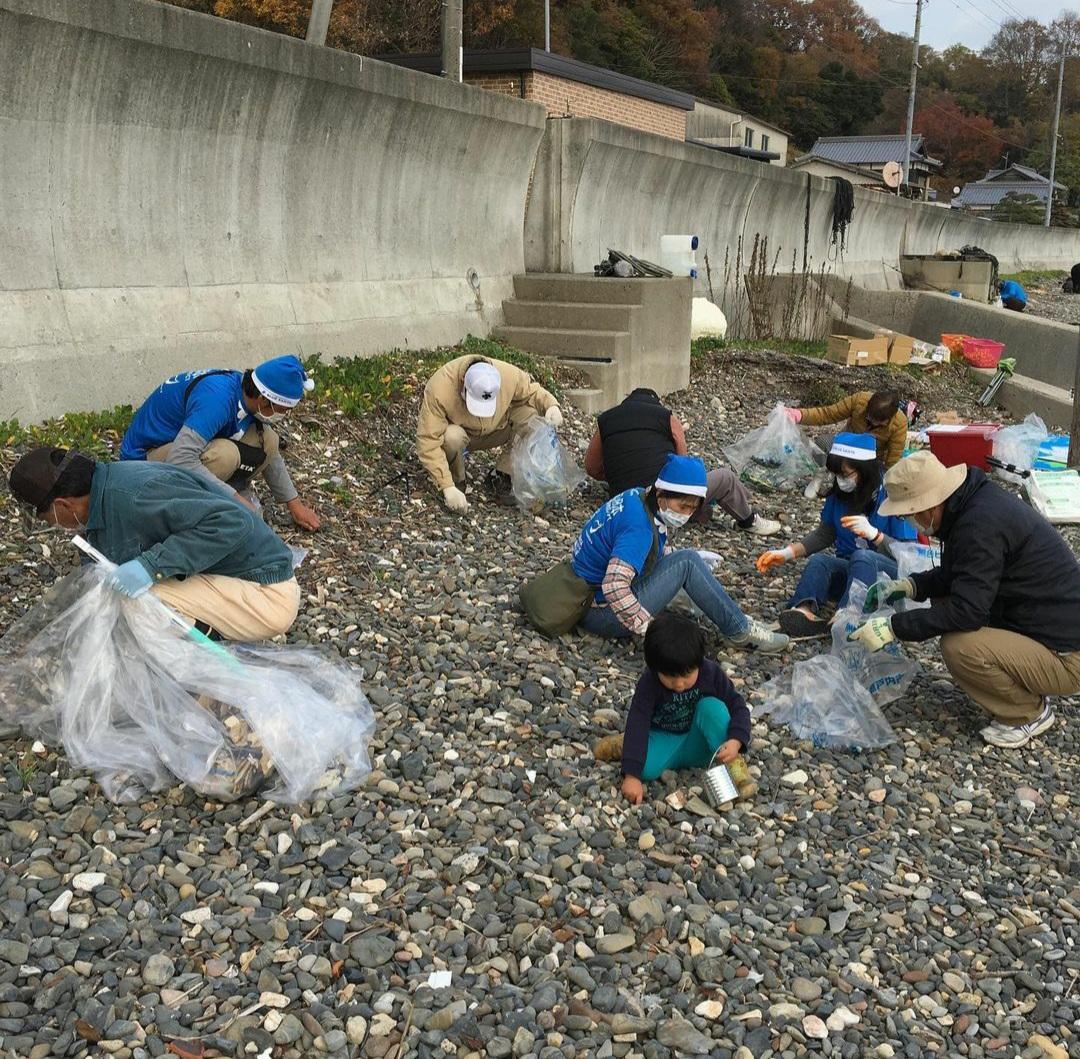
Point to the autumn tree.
(966, 144)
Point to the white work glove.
(860, 526)
(554, 416)
(874, 635)
(710, 559)
(455, 500)
(794, 414)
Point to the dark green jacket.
(176, 524)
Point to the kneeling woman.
(623, 553)
(851, 520)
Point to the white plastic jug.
(678, 254)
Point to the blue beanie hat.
(683, 474)
(850, 446)
(282, 380)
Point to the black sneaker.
(800, 627)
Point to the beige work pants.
(239, 610)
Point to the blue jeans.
(681, 570)
(692, 749)
(828, 578)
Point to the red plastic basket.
(982, 352)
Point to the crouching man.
(1005, 600)
(170, 532)
(476, 403)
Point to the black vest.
(636, 439)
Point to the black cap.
(35, 477)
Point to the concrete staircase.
(621, 333)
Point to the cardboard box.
(901, 346)
(847, 349)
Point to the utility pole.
(451, 39)
(911, 92)
(1074, 433)
(547, 25)
(319, 21)
(1054, 140)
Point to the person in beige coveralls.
(475, 403)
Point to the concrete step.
(603, 374)
(585, 316)
(588, 400)
(567, 342)
(546, 287)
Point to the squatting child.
(684, 709)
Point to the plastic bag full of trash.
(775, 457)
(137, 702)
(542, 472)
(914, 557)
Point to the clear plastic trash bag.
(836, 699)
(887, 673)
(1019, 445)
(775, 457)
(819, 700)
(542, 472)
(137, 702)
(912, 557)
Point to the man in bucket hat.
(1005, 600)
(217, 423)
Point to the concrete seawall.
(181, 191)
(599, 185)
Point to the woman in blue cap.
(851, 519)
(624, 554)
(216, 423)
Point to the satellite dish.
(892, 174)
(956, 190)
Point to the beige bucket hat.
(919, 482)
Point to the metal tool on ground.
(1005, 370)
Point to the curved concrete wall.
(599, 185)
(180, 191)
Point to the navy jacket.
(1002, 565)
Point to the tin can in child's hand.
(719, 786)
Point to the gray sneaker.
(1012, 736)
(760, 638)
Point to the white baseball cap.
(482, 385)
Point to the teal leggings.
(693, 749)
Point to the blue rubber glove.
(131, 579)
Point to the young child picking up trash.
(684, 709)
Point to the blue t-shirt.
(1011, 290)
(214, 409)
(835, 509)
(622, 529)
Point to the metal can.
(719, 786)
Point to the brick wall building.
(569, 88)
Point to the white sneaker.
(1013, 736)
(761, 638)
(763, 527)
(818, 486)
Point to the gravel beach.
(922, 900)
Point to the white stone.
(746, 862)
(785, 1011)
(841, 1019)
(710, 1009)
(272, 1021)
(814, 1028)
(356, 1029)
(796, 778)
(88, 881)
(373, 886)
(382, 1025)
(58, 909)
(266, 887)
(196, 915)
(273, 1000)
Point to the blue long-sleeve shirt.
(176, 524)
(654, 706)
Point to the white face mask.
(847, 483)
(274, 417)
(673, 519)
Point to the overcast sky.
(945, 22)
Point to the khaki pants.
(222, 458)
(237, 609)
(1008, 674)
(457, 441)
